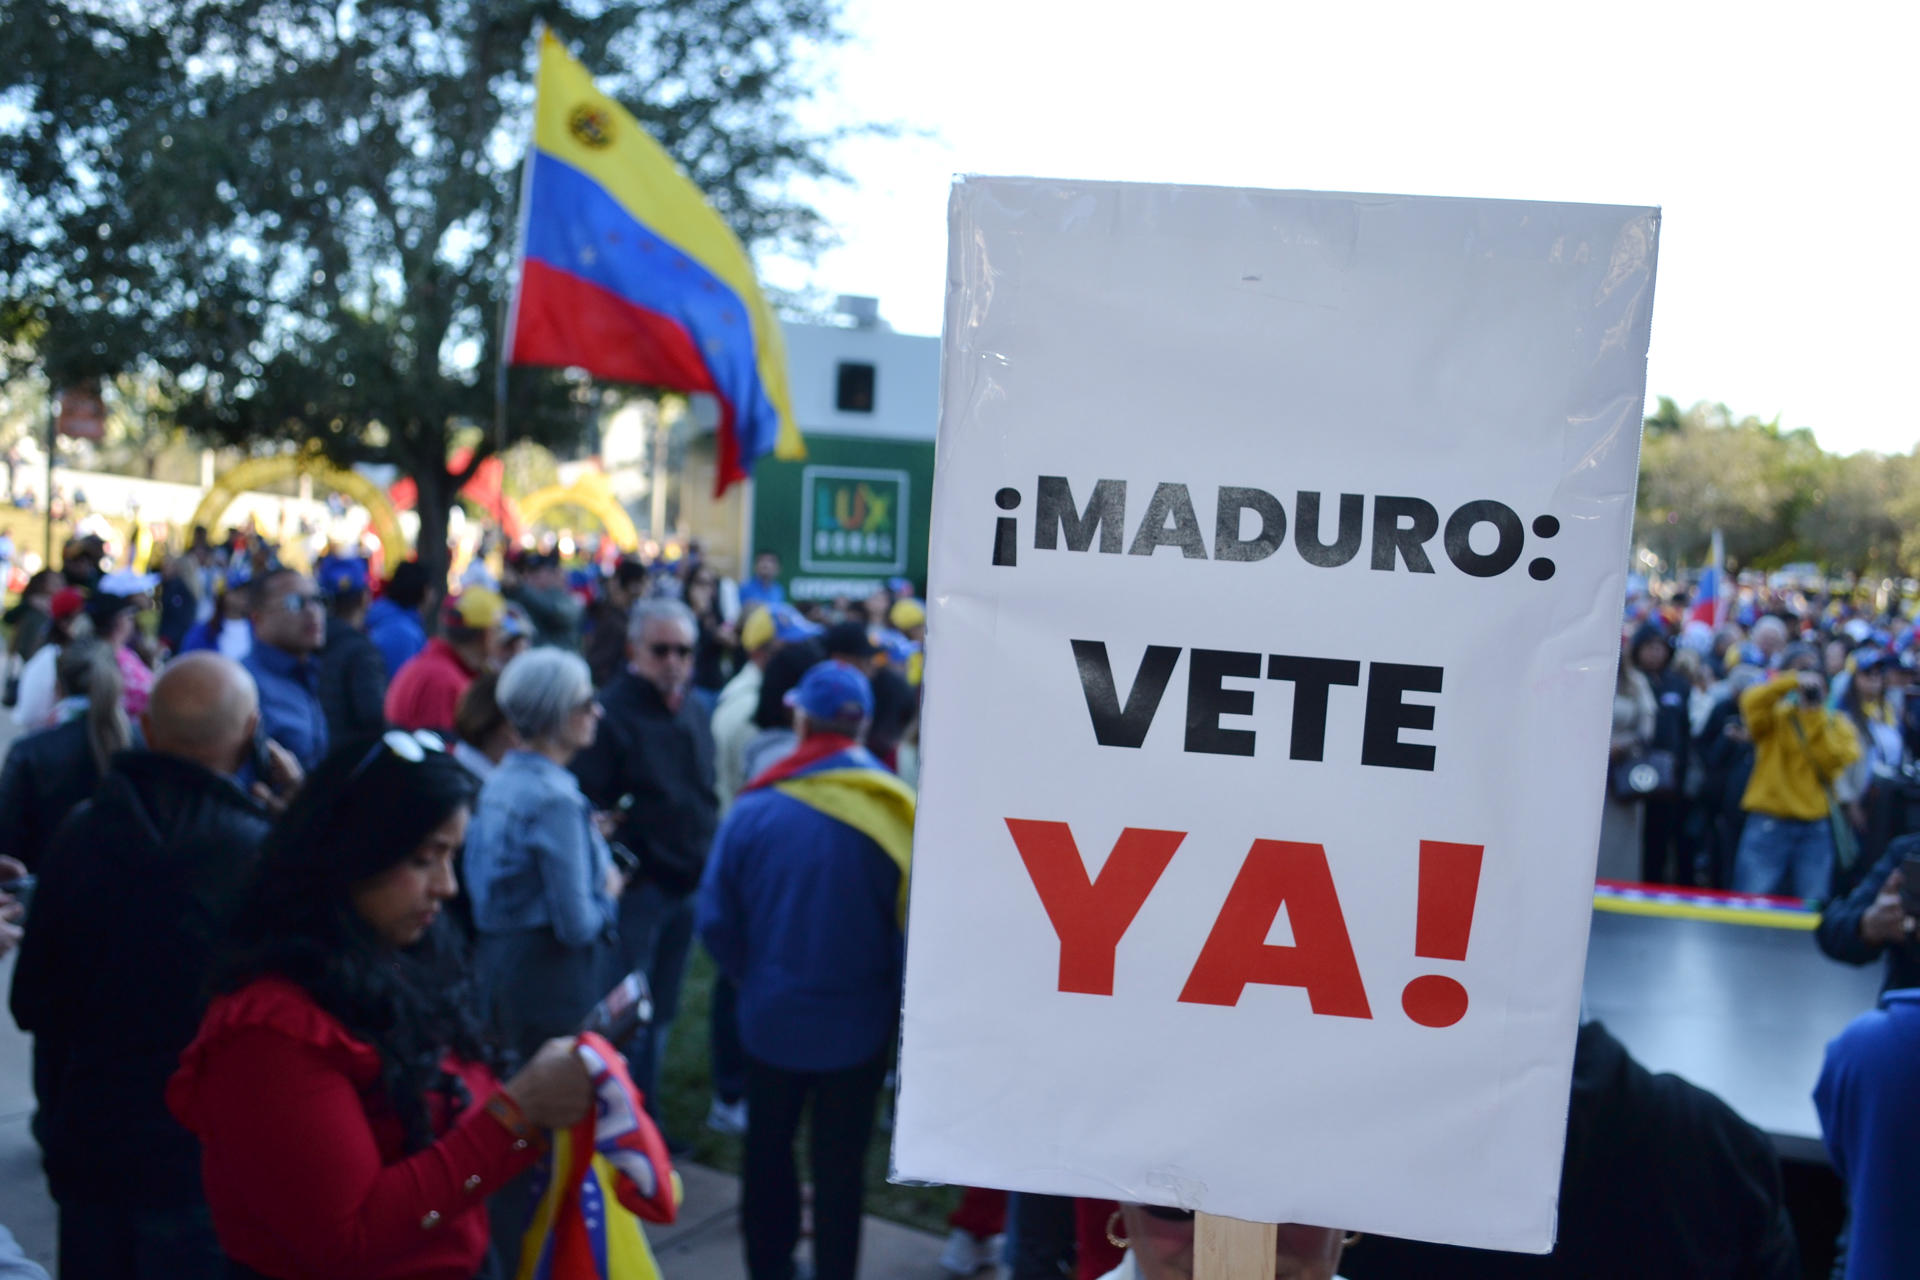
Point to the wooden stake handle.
(1229, 1249)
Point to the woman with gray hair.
(542, 879)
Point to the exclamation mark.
(1006, 530)
(1449, 883)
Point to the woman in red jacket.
(349, 1120)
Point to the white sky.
(1781, 141)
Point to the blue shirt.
(395, 632)
(1870, 1116)
(799, 910)
(751, 592)
(534, 859)
(290, 711)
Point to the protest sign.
(1278, 548)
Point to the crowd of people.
(1768, 754)
(330, 870)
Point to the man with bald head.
(135, 892)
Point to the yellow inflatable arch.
(257, 472)
(591, 493)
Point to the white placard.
(1253, 864)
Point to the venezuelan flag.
(628, 273)
(843, 780)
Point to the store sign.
(855, 521)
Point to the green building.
(855, 513)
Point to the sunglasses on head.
(673, 650)
(411, 747)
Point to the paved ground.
(703, 1245)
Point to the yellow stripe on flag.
(876, 804)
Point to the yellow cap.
(476, 608)
(906, 614)
(757, 631)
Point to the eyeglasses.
(294, 601)
(411, 747)
(589, 704)
(670, 650)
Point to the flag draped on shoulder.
(627, 272)
(840, 778)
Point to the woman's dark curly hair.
(364, 809)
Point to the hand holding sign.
(1275, 543)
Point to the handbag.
(1648, 773)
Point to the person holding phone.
(139, 886)
(341, 1086)
(652, 764)
(289, 628)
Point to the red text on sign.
(1090, 915)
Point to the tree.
(1850, 525)
(1707, 471)
(303, 214)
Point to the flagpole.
(510, 304)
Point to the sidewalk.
(24, 1205)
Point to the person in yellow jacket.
(1799, 747)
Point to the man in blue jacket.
(289, 626)
(393, 621)
(801, 905)
(1870, 1118)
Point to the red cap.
(66, 602)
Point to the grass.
(686, 1091)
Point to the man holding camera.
(1800, 747)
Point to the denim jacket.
(534, 858)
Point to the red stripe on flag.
(566, 322)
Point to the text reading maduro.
(1090, 916)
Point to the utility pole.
(53, 437)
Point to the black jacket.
(30, 626)
(664, 761)
(606, 644)
(1672, 723)
(1728, 764)
(1839, 933)
(47, 774)
(113, 972)
(1662, 1181)
(353, 683)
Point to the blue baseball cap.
(341, 574)
(832, 692)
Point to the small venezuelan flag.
(628, 273)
